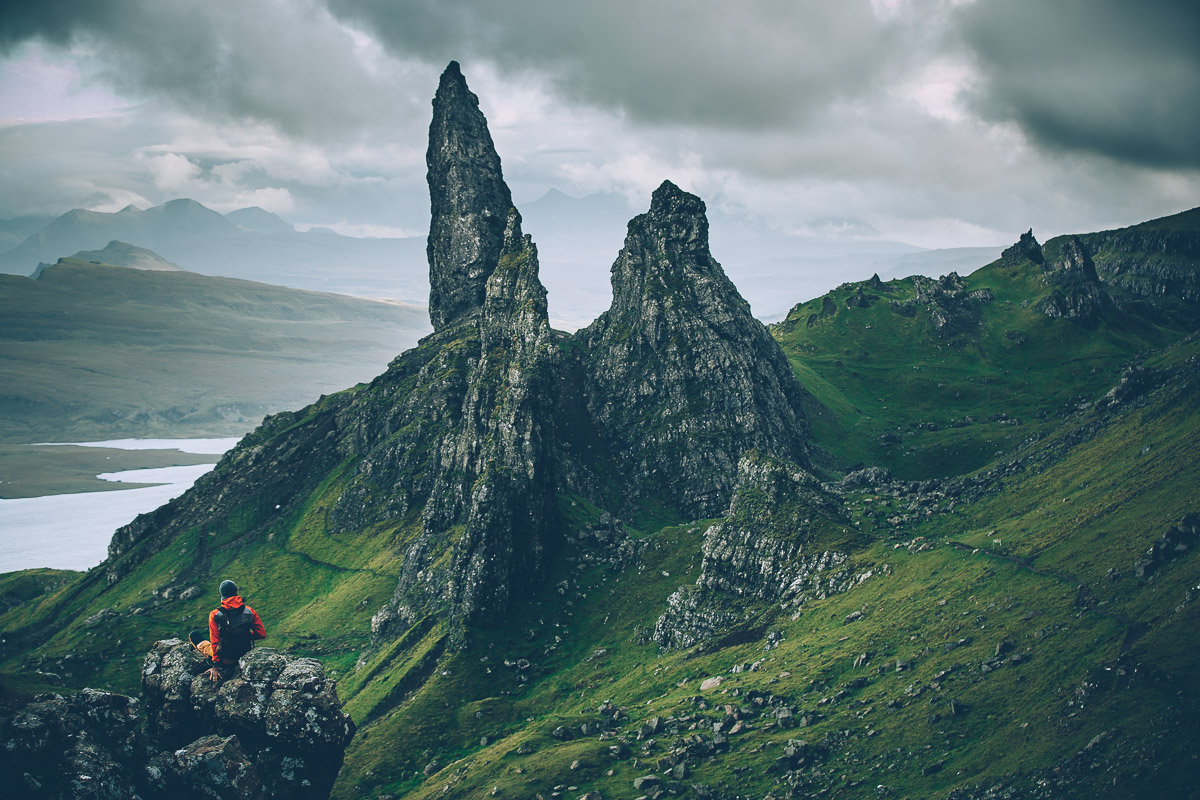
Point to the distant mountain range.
(578, 238)
(250, 243)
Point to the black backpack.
(235, 628)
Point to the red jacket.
(257, 631)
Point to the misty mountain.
(250, 243)
(578, 239)
(14, 231)
(119, 254)
(259, 219)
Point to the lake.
(72, 531)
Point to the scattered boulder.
(1177, 541)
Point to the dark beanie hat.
(228, 589)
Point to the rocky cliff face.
(276, 731)
(1152, 264)
(491, 498)
(763, 550)
(1078, 294)
(453, 456)
(681, 379)
(457, 432)
(468, 199)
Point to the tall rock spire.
(682, 379)
(468, 199)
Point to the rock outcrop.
(1077, 294)
(493, 484)
(681, 378)
(468, 199)
(1152, 265)
(952, 309)
(275, 731)
(762, 550)
(1026, 249)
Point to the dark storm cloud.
(743, 65)
(284, 64)
(1113, 77)
(55, 21)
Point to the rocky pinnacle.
(468, 199)
(682, 379)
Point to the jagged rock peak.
(682, 379)
(1027, 247)
(469, 201)
(682, 215)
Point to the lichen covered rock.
(277, 709)
(87, 745)
(1077, 294)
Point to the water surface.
(72, 531)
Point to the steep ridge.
(933, 378)
(681, 378)
(1153, 265)
(447, 444)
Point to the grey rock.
(469, 202)
(681, 378)
(1077, 295)
(1026, 249)
(645, 782)
(281, 714)
(84, 745)
(952, 310)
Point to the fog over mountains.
(578, 238)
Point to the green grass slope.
(889, 390)
(995, 644)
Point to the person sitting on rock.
(200, 643)
(232, 629)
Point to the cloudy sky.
(937, 122)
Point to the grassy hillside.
(92, 351)
(890, 390)
(999, 637)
